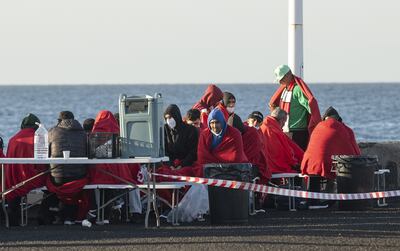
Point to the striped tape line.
(282, 191)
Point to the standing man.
(296, 99)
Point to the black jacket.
(180, 142)
(68, 135)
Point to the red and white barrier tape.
(282, 191)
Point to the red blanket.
(105, 122)
(72, 193)
(281, 152)
(230, 150)
(315, 116)
(210, 97)
(254, 150)
(21, 146)
(330, 137)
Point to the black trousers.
(301, 138)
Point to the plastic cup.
(66, 154)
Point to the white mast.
(295, 38)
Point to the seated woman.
(283, 155)
(210, 99)
(330, 137)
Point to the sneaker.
(69, 223)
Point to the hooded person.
(180, 139)
(330, 137)
(1, 148)
(210, 99)
(105, 122)
(21, 145)
(283, 155)
(67, 181)
(219, 143)
(296, 99)
(227, 106)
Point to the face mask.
(171, 123)
(230, 109)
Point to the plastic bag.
(192, 205)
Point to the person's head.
(283, 75)
(229, 102)
(88, 124)
(255, 119)
(65, 115)
(216, 122)
(193, 118)
(280, 115)
(172, 116)
(331, 113)
(30, 121)
(212, 96)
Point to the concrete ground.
(278, 230)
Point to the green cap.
(281, 71)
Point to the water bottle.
(41, 143)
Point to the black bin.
(228, 206)
(355, 174)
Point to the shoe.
(69, 222)
(92, 214)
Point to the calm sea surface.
(372, 110)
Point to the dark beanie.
(30, 121)
(88, 124)
(332, 113)
(227, 96)
(66, 115)
(257, 116)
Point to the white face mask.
(171, 123)
(230, 109)
(216, 134)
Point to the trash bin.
(355, 174)
(228, 206)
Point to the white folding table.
(151, 185)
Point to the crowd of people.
(292, 137)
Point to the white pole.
(295, 38)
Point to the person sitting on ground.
(88, 125)
(219, 143)
(21, 145)
(297, 100)
(283, 155)
(255, 119)
(67, 181)
(192, 117)
(210, 99)
(330, 137)
(227, 106)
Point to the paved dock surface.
(275, 230)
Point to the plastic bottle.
(41, 143)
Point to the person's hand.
(272, 107)
(172, 167)
(178, 167)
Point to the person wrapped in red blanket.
(330, 137)
(219, 143)
(21, 146)
(283, 155)
(210, 99)
(106, 122)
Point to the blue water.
(372, 110)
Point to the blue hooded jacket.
(219, 116)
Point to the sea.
(371, 110)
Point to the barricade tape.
(282, 191)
